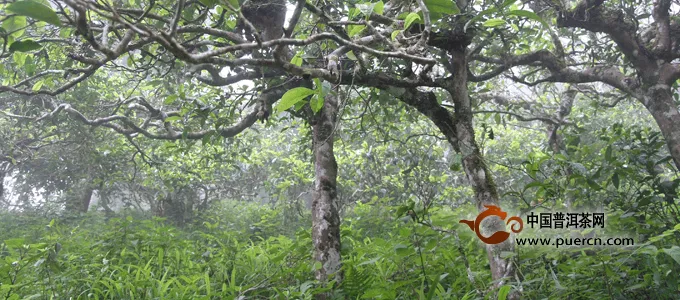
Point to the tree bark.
(459, 131)
(325, 217)
(87, 198)
(3, 173)
(555, 140)
(478, 173)
(659, 102)
(654, 63)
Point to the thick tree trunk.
(502, 269)
(2, 182)
(555, 140)
(659, 101)
(325, 217)
(173, 208)
(87, 198)
(459, 131)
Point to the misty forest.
(325, 149)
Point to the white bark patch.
(333, 262)
(481, 174)
(671, 112)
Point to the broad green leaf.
(529, 15)
(29, 66)
(615, 180)
(493, 22)
(24, 46)
(65, 32)
(673, 252)
(14, 243)
(15, 25)
(292, 97)
(402, 250)
(317, 85)
(442, 6)
(208, 3)
(19, 58)
(297, 59)
(38, 85)
(353, 30)
(170, 99)
(36, 11)
(395, 33)
(402, 210)
(608, 153)
(412, 17)
(593, 185)
(366, 8)
(316, 103)
(379, 8)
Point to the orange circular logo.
(498, 236)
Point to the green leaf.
(494, 22)
(354, 29)
(615, 180)
(316, 103)
(170, 99)
(442, 6)
(507, 3)
(172, 118)
(608, 153)
(29, 66)
(593, 185)
(503, 292)
(529, 15)
(674, 253)
(292, 97)
(412, 17)
(19, 58)
(379, 8)
(36, 11)
(395, 33)
(402, 210)
(366, 8)
(317, 84)
(402, 250)
(478, 17)
(208, 3)
(15, 24)
(534, 184)
(297, 59)
(38, 85)
(14, 243)
(24, 46)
